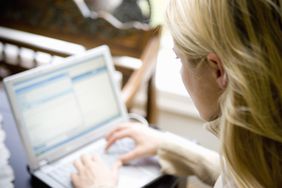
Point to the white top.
(182, 157)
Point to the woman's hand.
(94, 172)
(147, 140)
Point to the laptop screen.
(67, 103)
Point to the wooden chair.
(72, 21)
(140, 72)
(19, 40)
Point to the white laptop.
(63, 110)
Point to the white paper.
(6, 172)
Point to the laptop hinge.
(42, 163)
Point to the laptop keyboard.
(62, 172)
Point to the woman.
(232, 68)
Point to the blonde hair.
(247, 37)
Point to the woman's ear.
(217, 66)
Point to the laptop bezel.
(34, 162)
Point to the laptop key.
(62, 173)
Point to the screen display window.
(61, 106)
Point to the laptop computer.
(63, 110)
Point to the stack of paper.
(6, 172)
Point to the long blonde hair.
(247, 37)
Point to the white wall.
(178, 115)
(187, 127)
